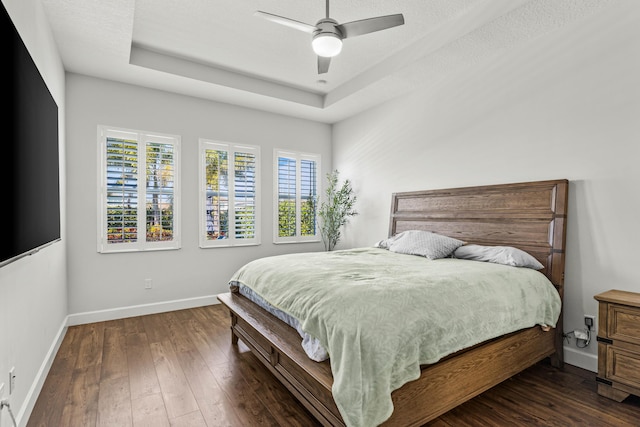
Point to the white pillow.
(423, 243)
(506, 255)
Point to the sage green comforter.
(380, 314)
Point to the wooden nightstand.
(618, 344)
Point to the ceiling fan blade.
(370, 25)
(323, 64)
(287, 22)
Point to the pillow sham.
(423, 243)
(506, 255)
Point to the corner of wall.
(36, 386)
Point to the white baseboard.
(32, 395)
(581, 359)
(139, 310)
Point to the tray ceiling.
(219, 50)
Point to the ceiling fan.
(327, 34)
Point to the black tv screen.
(29, 163)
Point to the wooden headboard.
(530, 216)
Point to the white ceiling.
(218, 50)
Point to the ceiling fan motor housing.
(327, 26)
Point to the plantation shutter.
(245, 195)
(308, 197)
(287, 205)
(296, 197)
(217, 194)
(229, 202)
(160, 191)
(138, 198)
(122, 190)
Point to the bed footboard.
(277, 346)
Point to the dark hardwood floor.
(180, 369)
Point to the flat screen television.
(29, 169)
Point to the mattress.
(312, 347)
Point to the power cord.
(586, 340)
(4, 403)
(583, 338)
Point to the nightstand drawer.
(624, 323)
(623, 366)
(618, 344)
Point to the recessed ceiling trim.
(194, 70)
(217, 50)
(477, 15)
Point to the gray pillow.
(506, 255)
(422, 243)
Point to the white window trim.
(231, 240)
(298, 156)
(141, 245)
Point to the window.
(296, 197)
(139, 191)
(229, 194)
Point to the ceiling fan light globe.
(326, 45)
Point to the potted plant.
(335, 210)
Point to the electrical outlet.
(12, 380)
(590, 321)
(148, 283)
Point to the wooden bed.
(530, 216)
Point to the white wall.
(567, 105)
(33, 290)
(113, 281)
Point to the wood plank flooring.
(180, 369)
